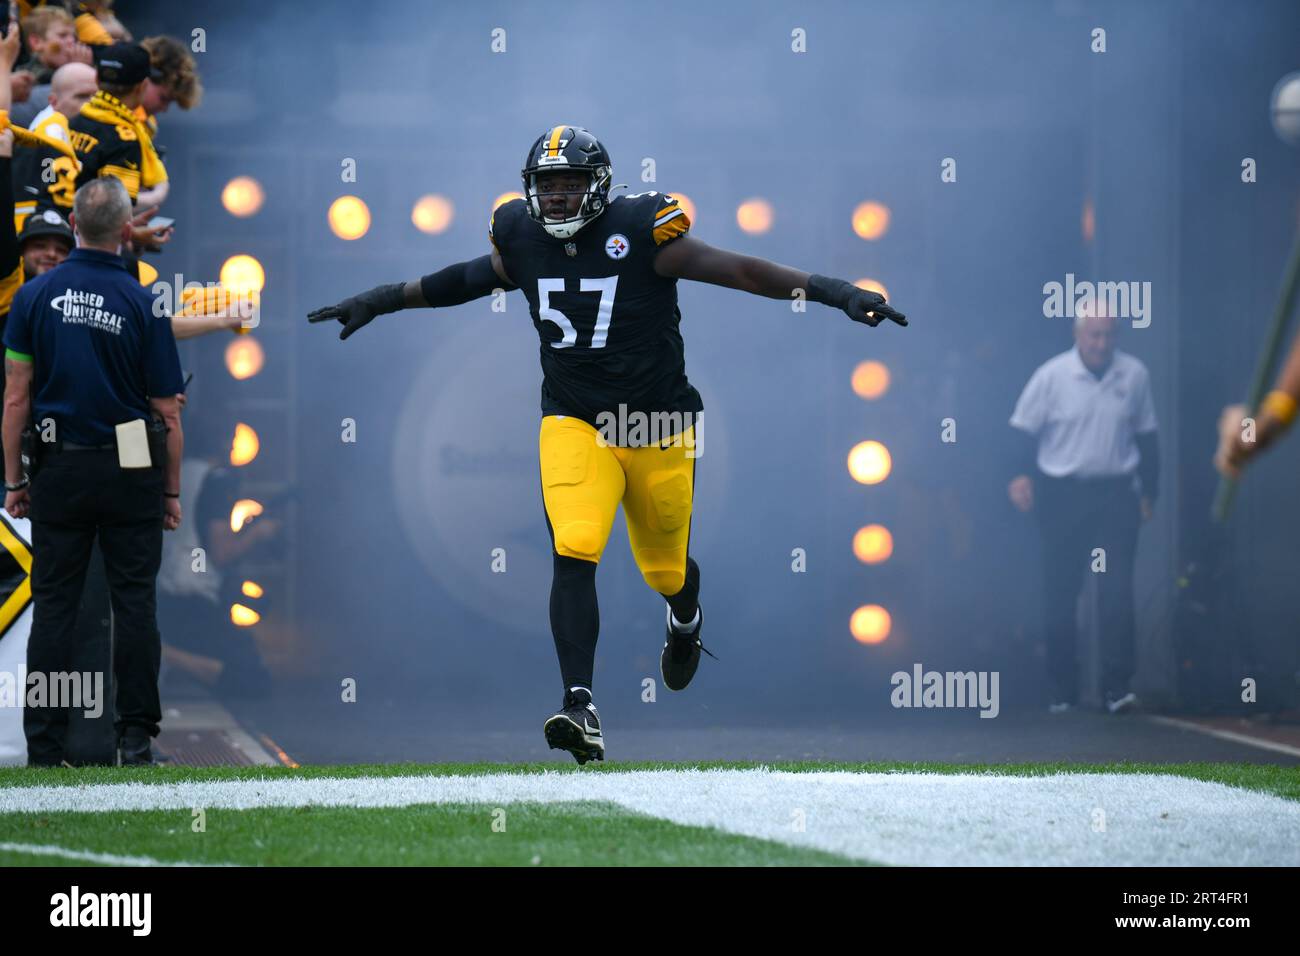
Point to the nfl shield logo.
(617, 246)
(571, 248)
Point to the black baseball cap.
(46, 222)
(123, 64)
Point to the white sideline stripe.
(1229, 735)
(108, 859)
(903, 818)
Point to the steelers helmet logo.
(617, 246)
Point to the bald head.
(71, 86)
(100, 213)
(1095, 337)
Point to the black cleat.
(576, 728)
(681, 654)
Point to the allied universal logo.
(617, 246)
(86, 308)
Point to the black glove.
(360, 309)
(859, 304)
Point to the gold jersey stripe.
(676, 226)
(130, 178)
(21, 211)
(666, 214)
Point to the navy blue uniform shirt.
(98, 351)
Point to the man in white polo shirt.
(1089, 467)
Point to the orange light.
(432, 214)
(244, 357)
(242, 616)
(871, 220)
(245, 446)
(870, 379)
(349, 217)
(505, 198)
(873, 544)
(1088, 221)
(754, 216)
(242, 510)
(243, 196)
(242, 275)
(869, 624)
(869, 462)
(688, 207)
(252, 589)
(247, 307)
(871, 285)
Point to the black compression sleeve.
(462, 282)
(1025, 454)
(575, 619)
(1149, 463)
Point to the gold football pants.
(583, 482)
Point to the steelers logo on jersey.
(617, 246)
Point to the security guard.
(91, 366)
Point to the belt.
(73, 446)
(1077, 480)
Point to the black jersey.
(110, 140)
(43, 176)
(608, 322)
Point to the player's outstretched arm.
(1272, 419)
(689, 258)
(454, 285)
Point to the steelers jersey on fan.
(608, 322)
(110, 140)
(42, 175)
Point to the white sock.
(681, 628)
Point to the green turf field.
(805, 814)
(560, 834)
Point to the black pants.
(1076, 516)
(76, 497)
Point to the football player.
(600, 275)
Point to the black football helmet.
(575, 149)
